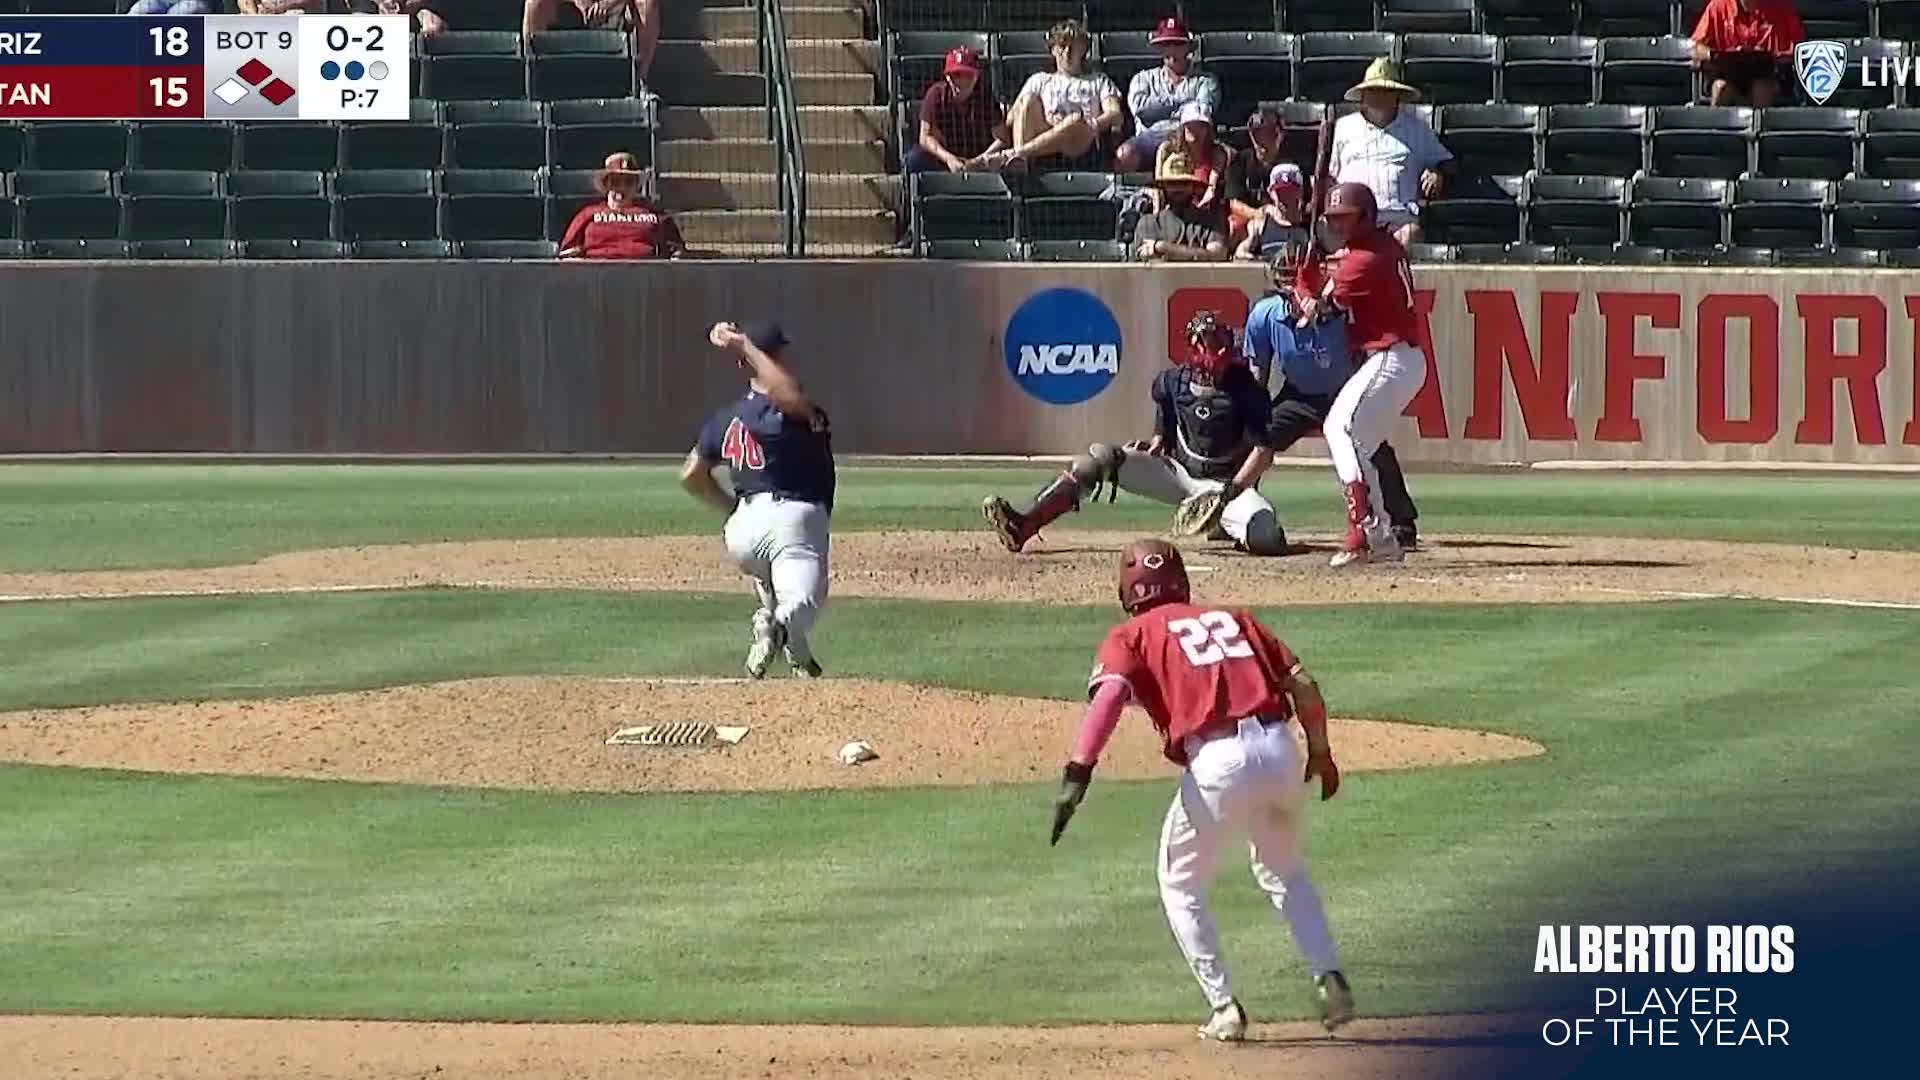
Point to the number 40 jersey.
(1197, 670)
(769, 453)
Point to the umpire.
(1313, 363)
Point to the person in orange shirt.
(625, 224)
(1741, 45)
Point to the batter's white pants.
(1163, 479)
(783, 546)
(1363, 413)
(1252, 780)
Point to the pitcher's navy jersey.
(768, 452)
(1314, 360)
(1210, 428)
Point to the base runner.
(1209, 434)
(1219, 688)
(778, 450)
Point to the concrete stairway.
(717, 165)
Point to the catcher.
(1208, 451)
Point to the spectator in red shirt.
(1741, 45)
(962, 127)
(624, 225)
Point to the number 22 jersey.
(1197, 669)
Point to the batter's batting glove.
(1320, 764)
(1073, 788)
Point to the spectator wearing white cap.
(1390, 150)
(1281, 218)
(1207, 156)
(1157, 95)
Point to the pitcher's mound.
(551, 733)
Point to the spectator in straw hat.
(1158, 95)
(625, 224)
(1181, 230)
(1390, 149)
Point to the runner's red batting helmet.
(1347, 199)
(1209, 345)
(1151, 574)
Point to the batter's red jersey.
(1197, 669)
(1373, 282)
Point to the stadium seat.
(1027, 41)
(1612, 255)
(1450, 68)
(1831, 19)
(916, 58)
(104, 247)
(1721, 255)
(962, 206)
(1251, 67)
(67, 204)
(1676, 212)
(1899, 20)
(1575, 210)
(1881, 214)
(293, 249)
(1106, 15)
(492, 204)
(1699, 140)
(1890, 144)
(1646, 71)
(981, 250)
(1494, 138)
(1321, 16)
(936, 15)
(1026, 14)
(582, 133)
(284, 144)
(1017, 56)
(1067, 206)
(382, 144)
(1208, 16)
(1815, 143)
(1427, 16)
(1476, 210)
(1513, 18)
(472, 65)
(1548, 70)
(62, 146)
(508, 249)
(1418, 254)
(9, 209)
(1601, 140)
(1826, 258)
(15, 249)
(385, 204)
(13, 146)
(1299, 130)
(1327, 65)
(496, 135)
(1627, 18)
(567, 191)
(1076, 251)
(579, 64)
(419, 248)
(165, 204)
(1124, 54)
(186, 248)
(1852, 94)
(1779, 214)
(182, 144)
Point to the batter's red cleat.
(1006, 522)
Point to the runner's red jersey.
(1197, 669)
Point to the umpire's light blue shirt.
(1313, 360)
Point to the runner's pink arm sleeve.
(1103, 715)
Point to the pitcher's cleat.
(800, 656)
(1227, 1024)
(768, 638)
(1336, 1000)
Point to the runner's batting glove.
(1073, 788)
(1320, 764)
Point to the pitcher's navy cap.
(766, 336)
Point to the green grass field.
(1692, 747)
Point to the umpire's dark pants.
(1295, 414)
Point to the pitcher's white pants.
(1163, 479)
(1249, 780)
(1363, 413)
(782, 545)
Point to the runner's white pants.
(1163, 479)
(1363, 413)
(1251, 780)
(783, 546)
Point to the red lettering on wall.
(1911, 435)
(1818, 314)
(1622, 312)
(1230, 304)
(1500, 339)
(1710, 369)
(1427, 408)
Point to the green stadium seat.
(936, 15)
(580, 64)
(13, 146)
(1677, 212)
(1831, 19)
(1450, 68)
(1326, 65)
(472, 65)
(1627, 18)
(492, 204)
(916, 58)
(1780, 214)
(1890, 144)
(1575, 210)
(1299, 130)
(1517, 18)
(979, 250)
(105, 247)
(962, 206)
(1431, 253)
(1251, 66)
(1882, 214)
(1023, 14)
(279, 205)
(1067, 206)
(1646, 71)
(92, 144)
(67, 204)
(1721, 255)
(1899, 19)
(1076, 251)
(1498, 139)
(1699, 140)
(286, 144)
(567, 191)
(1427, 16)
(420, 143)
(1320, 16)
(1015, 57)
(1818, 143)
(15, 249)
(1597, 140)
(1109, 15)
(173, 204)
(1126, 53)
(183, 144)
(496, 135)
(508, 249)
(423, 248)
(582, 133)
(1552, 71)
(293, 249)
(1476, 210)
(186, 248)
(385, 204)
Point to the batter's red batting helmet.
(1347, 199)
(1151, 574)
(1209, 344)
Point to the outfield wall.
(921, 357)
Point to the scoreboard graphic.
(215, 67)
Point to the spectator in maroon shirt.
(625, 224)
(962, 127)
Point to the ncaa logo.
(1063, 346)
(1821, 66)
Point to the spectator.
(1248, 173)
(1157, 95)
(639, 18)
(1281, 218)
(1182, 230)
(1390, 149)
(1067, 117)
(1207, 155)
(961, 125)
(171, 7)
(624, 225)
(1741, 46)
(280, 7)
(430, 22)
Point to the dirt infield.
(550, 733)
(1066, 568)
(90, 1048)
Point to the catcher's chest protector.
(1212, 433)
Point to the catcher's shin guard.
(1058, 498)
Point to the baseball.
(858, 752)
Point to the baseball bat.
(1307, 277)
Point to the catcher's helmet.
(1209, 345)
(1349, 199)
(1151, 574)
(1284, 263)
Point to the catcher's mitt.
(1198, 514)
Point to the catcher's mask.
(1151, 574)
(1209, 345)
(1284, 264)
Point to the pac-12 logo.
(1821, 66)
(1063, 346)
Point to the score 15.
(170, 74)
